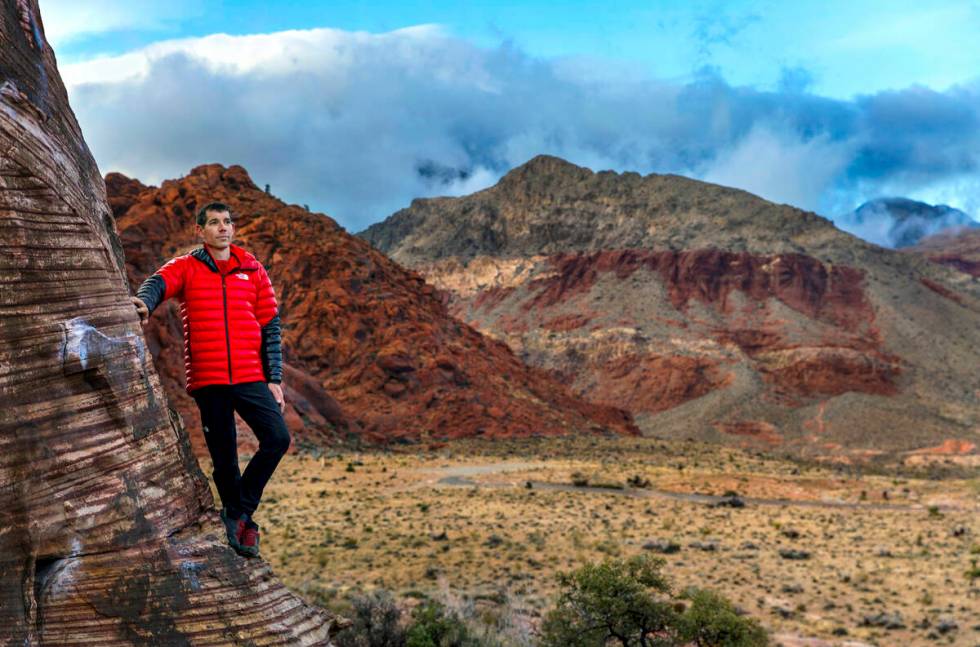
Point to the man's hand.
(141, 310)
(277, 394)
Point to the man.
(233, 361)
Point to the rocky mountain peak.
(549, 206)
(234, 176)
(543, 172)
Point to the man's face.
(218, 230)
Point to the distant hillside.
(706, 311)
(956, 248)
(900, 222)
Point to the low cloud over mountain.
(900, 222)
(358, 124)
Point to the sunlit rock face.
(370, 350)
(108, 533)
(705, 311)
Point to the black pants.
(254, 403)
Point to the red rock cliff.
(370, 348)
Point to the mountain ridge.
(579, 272)
(575, 186)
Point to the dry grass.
(350, 522)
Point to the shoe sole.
(248, 552)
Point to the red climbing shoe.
(233, 529)
(249, 538)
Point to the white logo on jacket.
(242, 275)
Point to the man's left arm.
(267, 312)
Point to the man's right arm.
(152, 291)
(166, 282)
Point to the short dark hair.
(202, 215)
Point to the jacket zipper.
(224, 298)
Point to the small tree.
(612, 602)
(628, 603)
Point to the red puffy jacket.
(232, 331)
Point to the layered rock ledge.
(108, 534)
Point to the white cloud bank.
(357, 124)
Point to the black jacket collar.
(246, 262)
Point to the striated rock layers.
(108, 534)
(706, 311)
(370, 349)
(958, 248)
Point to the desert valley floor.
(820, 554)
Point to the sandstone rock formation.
(108, 534)
(706, 311)
(369, 347)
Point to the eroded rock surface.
(107, 527)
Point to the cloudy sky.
(355, 108)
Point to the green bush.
(711, 621)
(629, 603)
(433, 626)
(973, 573)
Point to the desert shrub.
(434, 626)
(973, 573)
(711, 621)
(630, 603)
(492, 619)
(376, 623)
(637, 481)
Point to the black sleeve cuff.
(272, 350)
(152, 291)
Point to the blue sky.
(340, 104)
(839, 48)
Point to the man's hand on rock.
(141, 310)
(277, 394)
